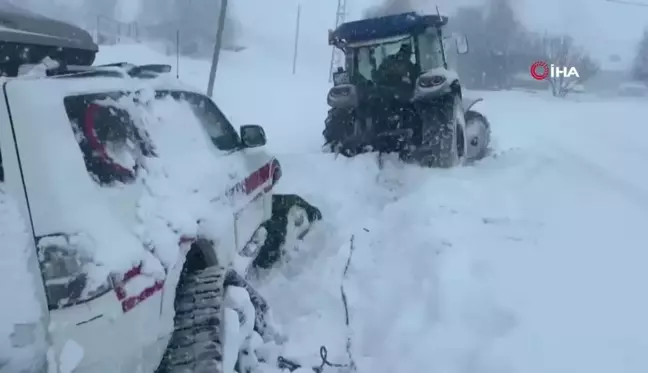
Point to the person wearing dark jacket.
(397, 68)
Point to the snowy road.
(530, 261)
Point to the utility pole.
(217, 47)
(296, 39)
(337, 58)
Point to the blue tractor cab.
(383, 27)
(395, 91)
(423, 33)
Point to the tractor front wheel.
(478, 135)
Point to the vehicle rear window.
(115, 143)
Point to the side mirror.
(252, 136)
(461, 43)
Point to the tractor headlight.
(431, 81)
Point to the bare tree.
(494, 33)
(640, 63)
(197, 21)
(561, 51)
(501, 24)
(500, 28)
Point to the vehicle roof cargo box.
(27, 38)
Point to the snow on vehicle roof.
(384, 27)
(82, 83)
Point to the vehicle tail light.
(66, 271)
(276, 171)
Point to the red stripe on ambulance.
(248, 186)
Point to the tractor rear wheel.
(338, 128)
(443, 142)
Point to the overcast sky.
(604, 28)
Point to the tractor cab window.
(375, 60)
(431, 52)
(366, 63)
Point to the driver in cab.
(398, 68)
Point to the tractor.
(396, 94)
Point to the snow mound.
(411, 293)
(470, 269)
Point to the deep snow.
(529, 261)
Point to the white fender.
(469, 102)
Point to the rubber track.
(196, 345)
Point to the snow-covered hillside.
(532, 260)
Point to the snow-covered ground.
(529, 261)
(532, 260)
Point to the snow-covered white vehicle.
(144, 208)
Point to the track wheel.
(196, 344)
